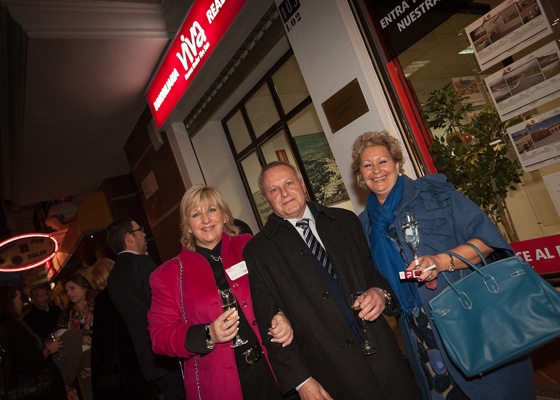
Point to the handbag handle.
(491, 284)
(479, 253)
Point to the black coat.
(284, 275)
(129, 288)
(43, 322)
(115, 370)
(31, 371)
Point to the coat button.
(326, 295)
(350, 342)
(244, 303)
(234, 285)
(254, 323)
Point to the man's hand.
(372, 304)
(312, 390)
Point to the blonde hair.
(203, 195)
(369, 139)
(99, 272)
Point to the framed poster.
(322, 171)
(537, 140)
(527, 83)
(507, 29)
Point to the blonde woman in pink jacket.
(186, 317)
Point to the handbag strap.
(479, 253)
(197, 378)
(491, 284)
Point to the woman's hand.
(224, 328)
(281, 330)
(429, 267)
(372, 304)
(53, 346)
(442, 262)
(86, 340)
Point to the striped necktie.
(315, 247)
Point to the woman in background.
(74, 326)
(446, 221)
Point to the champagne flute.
(366, 346)
(411, 233)
(230, 302)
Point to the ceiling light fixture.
(413, 67)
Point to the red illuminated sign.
(23, 252)
(204, 27)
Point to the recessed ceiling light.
(413, 67)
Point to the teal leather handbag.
(496, 314)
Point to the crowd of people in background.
(284, 314)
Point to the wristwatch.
(209, 343)
(387, 295)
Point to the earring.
(362, 182)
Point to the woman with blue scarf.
(446, 221)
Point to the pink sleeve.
(167, 327)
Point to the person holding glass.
(309, 260)
(409, 224)
(218, 339)
(74, 327)
(32, 375)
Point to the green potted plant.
(474, 153)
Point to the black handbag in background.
(19, 384)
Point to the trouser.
(171, 386)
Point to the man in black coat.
(43, 316)
(325, 360)
(129, 289)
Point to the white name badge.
(237, 271)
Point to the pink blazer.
(217, 371)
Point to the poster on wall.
(322, 171)
(537, 141)
(527, 83)
(507, 29)
(552, 182)
(468, 87)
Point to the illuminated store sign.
(23, 252)
(204, 27)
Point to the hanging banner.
(507, 29)
(537, 140)
(527, 83)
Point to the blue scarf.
(384, 251)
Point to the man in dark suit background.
(325, 360)
(129, 289)
(43, 316)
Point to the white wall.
(331, 53)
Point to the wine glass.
(59, 354)
(366, 346)
(230, 302)
(411, 233)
